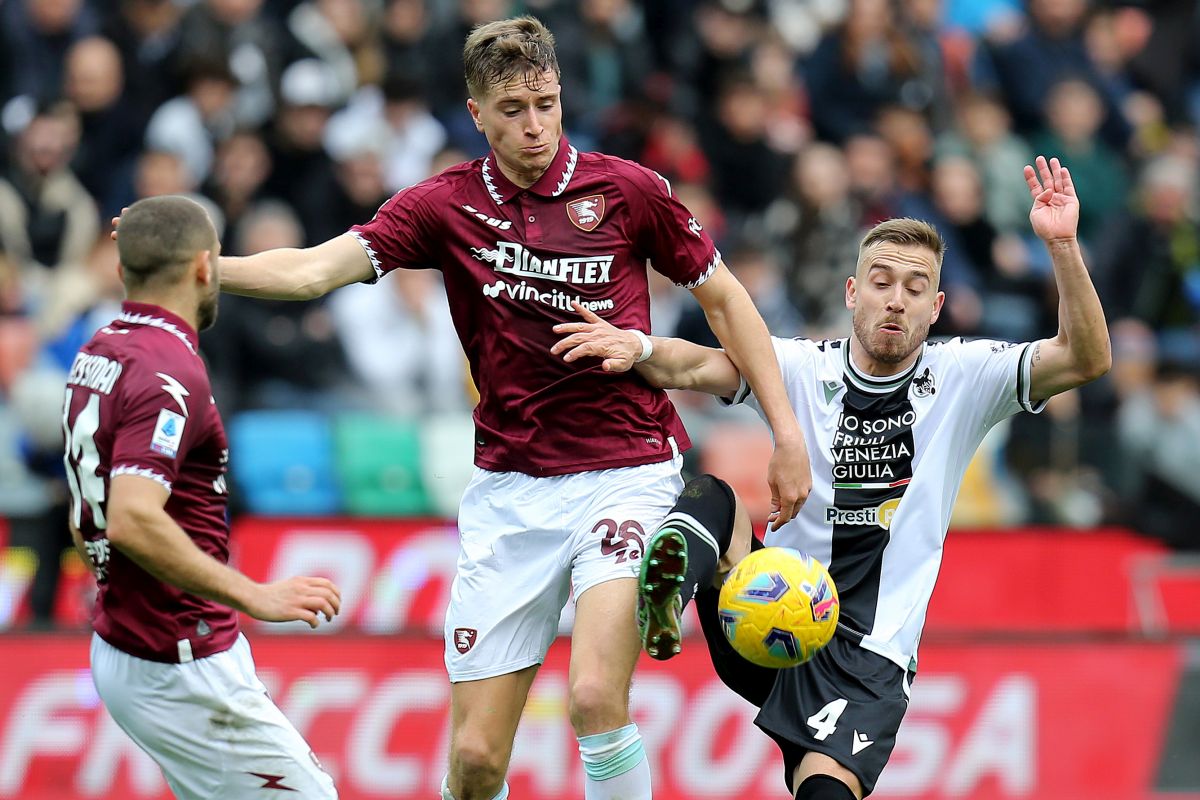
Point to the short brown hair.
(497, 52)
(904, 231)
(157, 237)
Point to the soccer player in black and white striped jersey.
(892, 422)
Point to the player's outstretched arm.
(290, 273)
(671, 363)
(1081, 351)
(297, 274)
(743, 334)
(140, 528)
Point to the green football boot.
(659, 605)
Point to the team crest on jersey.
(923, 385)
(464, 639)
(586, 212)
(168, 433)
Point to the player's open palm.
(299, 598)
(1055, 212)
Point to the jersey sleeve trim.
(141, 472)
(371, 254)
(708, 271)
(1024, 380)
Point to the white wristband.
(647, 345)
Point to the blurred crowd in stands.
(787, 126)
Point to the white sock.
(616, 766)
(503, 795)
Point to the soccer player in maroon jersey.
(575, 464)
(146, 457)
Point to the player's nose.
(533, 125)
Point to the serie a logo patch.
(168, 433)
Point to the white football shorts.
(528, 543)
(209, 725)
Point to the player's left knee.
(597, 705)
(824, 787)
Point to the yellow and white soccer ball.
(778, 607)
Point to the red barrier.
(988, 723)
(395, 577)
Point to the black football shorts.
(846, 702)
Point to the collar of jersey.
(883, 384)
(133, 313)
(553, 182)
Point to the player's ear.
(937, 307)
(204, 270)
(473, 107)
(851, 292)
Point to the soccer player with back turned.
(892, 421)
(146, 460)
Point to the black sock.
(823, 787)
(755, 544)
(704, 514)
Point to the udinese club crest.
(586, 212)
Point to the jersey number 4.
(82, 459)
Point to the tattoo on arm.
(1037, 352)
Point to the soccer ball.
(778, 607)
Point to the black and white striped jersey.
(888, 455)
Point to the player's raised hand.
(299, 598)
(1055, 212)
(597, 338)
(790, 477)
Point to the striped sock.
(616, 766)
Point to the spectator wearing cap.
(302, 170)
(190, 125)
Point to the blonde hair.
(904, 231)
(497, 52)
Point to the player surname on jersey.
(95, 372)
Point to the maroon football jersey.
(513, 261)
(138, 402)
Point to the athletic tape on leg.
(608, 755)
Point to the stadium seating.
(379, 463)
(283, 463)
